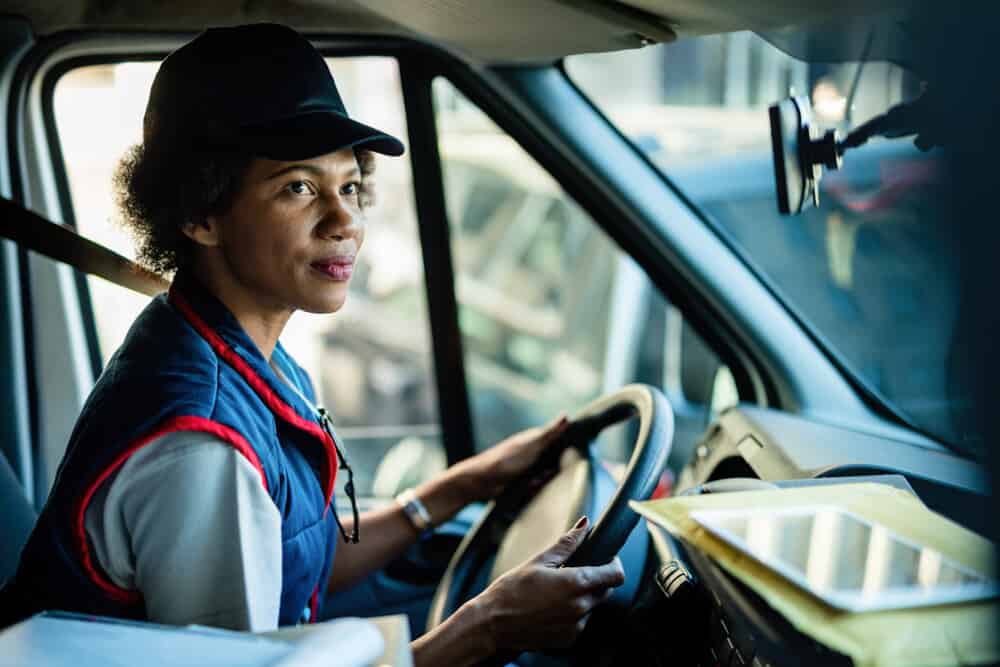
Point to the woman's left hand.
(485, 475)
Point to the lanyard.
(323, 417)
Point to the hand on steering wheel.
(519, 523)
(491, 471)
(542, 603)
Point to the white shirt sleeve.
(187, 522)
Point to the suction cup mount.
(800, 154)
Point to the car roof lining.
(514, 31)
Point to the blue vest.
(186, 365)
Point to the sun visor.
(894, 38)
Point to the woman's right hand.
(543, 605)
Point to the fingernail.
(580, 523)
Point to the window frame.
(774, 361)
(485, 87)
(633, 299)
(98, 48)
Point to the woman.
(198, 480)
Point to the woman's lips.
(335, 268)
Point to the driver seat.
(17, 518)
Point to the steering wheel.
(519, 523)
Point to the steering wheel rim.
(610, 531)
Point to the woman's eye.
(299, 188)
(351, 188)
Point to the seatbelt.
(59, 242)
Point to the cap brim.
(310, 135)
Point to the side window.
(552, 312)
(371, 361)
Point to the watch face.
(416, 512)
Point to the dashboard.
(757, 443)
(690, 611)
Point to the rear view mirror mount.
(800, 154)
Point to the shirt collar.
(223, 332)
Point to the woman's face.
(293, 232)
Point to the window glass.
(874, 269)
(552, 312)
(371, 361)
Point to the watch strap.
(416, 512)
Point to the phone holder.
(800, 154)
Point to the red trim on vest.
(273, 401)
(174, 424)
(314, 604)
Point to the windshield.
(873, 271)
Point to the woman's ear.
(205, 232)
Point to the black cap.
(261, 89)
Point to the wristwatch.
(416, 513)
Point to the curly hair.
(160, 189)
